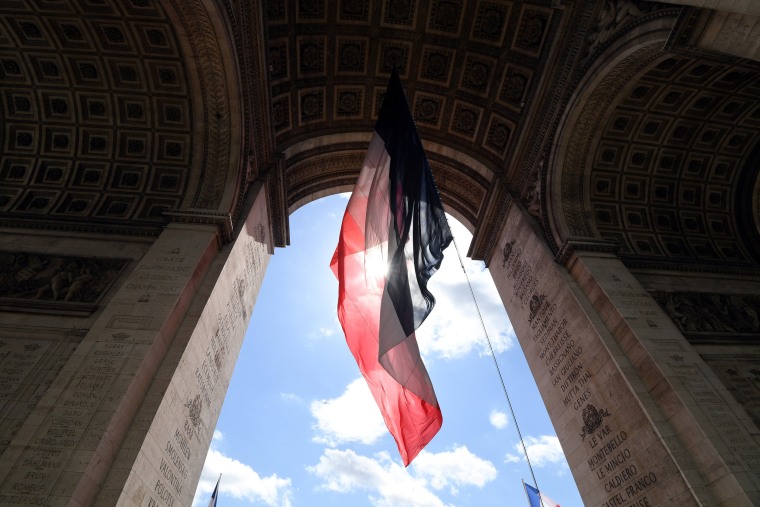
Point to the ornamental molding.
(207, 55)
(583, 132)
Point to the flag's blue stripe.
(416, 209)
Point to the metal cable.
(498, 370)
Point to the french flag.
(538, 499)
(391, 242)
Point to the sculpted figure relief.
(614, 14)
(718, 313)
(41, 277)
(533, 195)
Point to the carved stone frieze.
(497, 204)
(278, 203)
(532, 197)
(699, 314)
(44, 283)
(613, 17)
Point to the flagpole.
(498, 371)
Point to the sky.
(299, 427)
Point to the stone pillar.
(128, 417)
(160, 461)
(63, 450)
(710, 435)
(608, 423)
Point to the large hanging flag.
(391, 242)
(538, 499)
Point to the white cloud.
(543, 450)
(291, 397)
(454, 329)
(217, 435)
(498, 419)
(328, 331)
(241, 481)
(351, 417)
(512, 458)
(389, 484)
(322, 332)
(453, 469)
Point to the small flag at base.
(212, 502)
(538, 499)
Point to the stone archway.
(149, 161)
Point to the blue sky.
(299, 427)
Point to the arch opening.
(318, 407)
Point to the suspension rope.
(498, 370)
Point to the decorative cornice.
(202, 216)
(498, 202)
(278, 202)
(583, 244)
(679, 265)
(86, 228)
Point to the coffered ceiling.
(110, 124)
(96, 113)
(469, 67)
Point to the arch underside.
(661, 161)
(125, 122)
(610, 132)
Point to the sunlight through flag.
(538, 499)
(391, 242)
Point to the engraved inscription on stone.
(23, 364)
(561, 354)
(709, 401)
(217, 351)
(615, 468)
(741, 376)
(186, 441)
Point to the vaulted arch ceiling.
(114, 113)
(660, 158)
(119, 116)
(470, 70)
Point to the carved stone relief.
(532, 199)
(697, 313)
(614, 15)
(55, 283)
